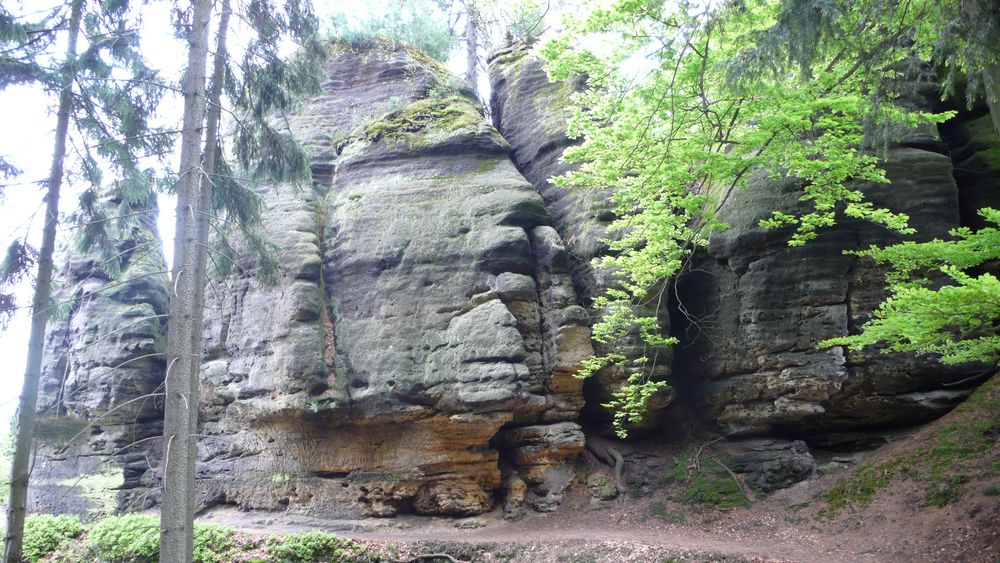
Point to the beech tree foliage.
(957, 317)
(685, 101)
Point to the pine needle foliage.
(18, 264)
(116, 96)
(260, 87)
(685, 101)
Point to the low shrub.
(136, 537)
(213, 544)
(132, 537)
(312, 546)
(45, 533)
(708, 483)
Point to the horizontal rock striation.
(100, 406)
(425, 329)
(532, 114)
(755, 310)
(752, 310)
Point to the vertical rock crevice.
(531, 113)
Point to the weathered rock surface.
(975, 153)
(758, 309)
(425, 324)
(99, 403)
(770, 465)
(532, 114)
(417, 353)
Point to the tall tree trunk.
(472, 46)
(180, 424)
(212, 122)
(41, 301)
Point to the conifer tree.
(109, 114)
(472, 45)
(254, 89)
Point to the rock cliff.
(531, 112)
(418, 349)
(421, 342)
(750, 313)
(100, 404)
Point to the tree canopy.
(685, 101)
(423, 24)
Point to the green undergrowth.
(313, 546)
(45, 534)
(961, 450)
(706, 483)
(136, 538)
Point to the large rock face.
(755, 308)
(100, 397)
(424, 331)
(758, 309)
(417, 352)
(531, 112)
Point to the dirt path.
(784, 527)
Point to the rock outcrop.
(756, 309)
(423, 337)
(752, 312)
(417, 351)
(532, 114)
(100, 401)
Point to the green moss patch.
(707, 483)
(414, 122)
(509, 58)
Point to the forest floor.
(931, 496)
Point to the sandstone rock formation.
(425, 329)
(751, 313)
(417, 352)
(531, 112)
(99, 403)
(755, 309)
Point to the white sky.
(28, 120)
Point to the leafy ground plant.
(133, 537)
(45, 533)
(136, 537)
(312, 546)
(707, 483)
